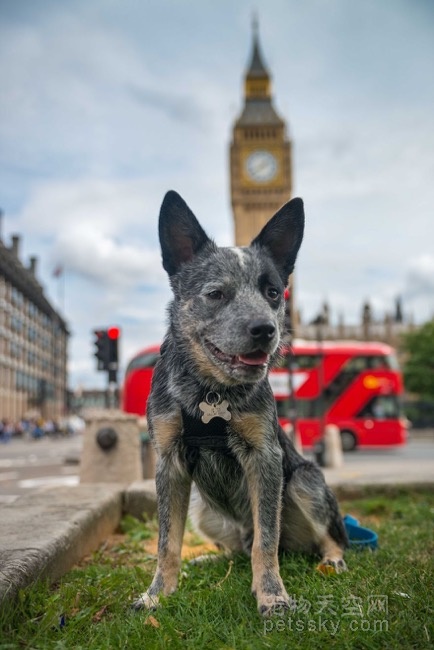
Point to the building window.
(33, 334)
(17, 297)
(15, 349)
(16, 324)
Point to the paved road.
(27, 465)
(35, 464)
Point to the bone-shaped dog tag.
(210, 411)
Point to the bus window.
(392, 362)
(309, 408)
(381, 407)
(282, 406)
(298, 361)
(147, 360)
(368, 361)
(377, 362)
(304, 408)
(306, 361)
(356, 364)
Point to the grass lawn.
(384, 601)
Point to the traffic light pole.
(107, 356)
(112, 395)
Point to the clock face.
(261, 166)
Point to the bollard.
(333, 455)
(294, 437)
(111, 448)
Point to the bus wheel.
(349, 441)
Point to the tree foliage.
(419, 366)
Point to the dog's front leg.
(173, 493)
(264, 478)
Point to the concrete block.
(140, 499)
(111, 448)
(44, 534)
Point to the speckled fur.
(263, 495)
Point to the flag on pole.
(57, 271)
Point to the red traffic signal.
(106, 343)
(113, 333)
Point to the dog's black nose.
(261, 330)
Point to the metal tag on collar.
(214, 407)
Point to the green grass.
(384, 601)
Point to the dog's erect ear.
(282, 236)
(181, 235)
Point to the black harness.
(197, 435)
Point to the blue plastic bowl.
(359, 537)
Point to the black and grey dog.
(212, 415)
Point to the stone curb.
(44, 534)
(361, 490)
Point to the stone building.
(387, 328)
(33, 342)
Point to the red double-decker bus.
(356, 386)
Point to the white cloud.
(86, 251)
(420, 276)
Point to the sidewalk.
(360, 480)
(44, 534)
(380, 473)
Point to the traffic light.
(107, 351)
(113, 334)
(102, 352)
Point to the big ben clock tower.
(260, 154)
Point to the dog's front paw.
(329, 566)
(275, 605)
(146, 601)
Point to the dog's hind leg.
(215, 526)
(311, 518)
(335, 541)
(173, 492)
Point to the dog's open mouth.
(258, 358)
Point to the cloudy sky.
(107, 104)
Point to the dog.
(212, 415)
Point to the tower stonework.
(260, 154)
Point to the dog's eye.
(273, 293)
(215, 295)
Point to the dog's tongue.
(257, 358)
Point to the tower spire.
(257, 67)
(255, 24)
(257, 79)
